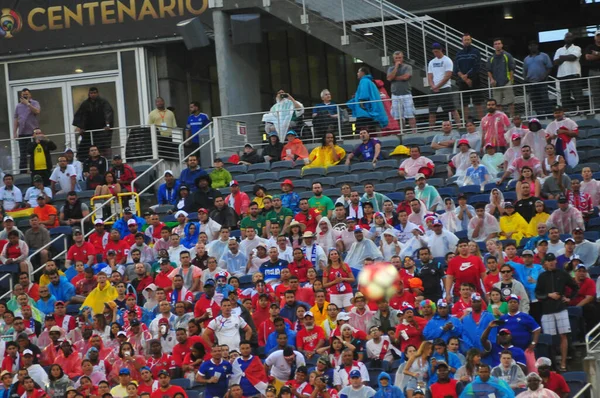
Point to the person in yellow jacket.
(103, 293)
(541, 216)
(319, 310)
(328, 154)
(513, 225)
(50, 265)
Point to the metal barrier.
(99, 207)
(10, 284)
(580, 393)
(181, 148)
(136, 179)
(592, 340)
(133, 203)
(232, 132)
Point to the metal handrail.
(181, 146)
(592, 336)
(84, 219)
(143, 174)
(588, 386)
(10, 284)
(47, 245)
(209, 141)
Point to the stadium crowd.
(248, 294)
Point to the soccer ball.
(379, 280)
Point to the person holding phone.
(493, 351)
(26, 121)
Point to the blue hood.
(390, 391)
(190, 240)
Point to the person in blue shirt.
(288, 311)
(233, 260)
(121, 224)
(215, 374)
(441, 354)
(477, 174)
(195, 122)
(536, 68)
(189, 175)
(325, 115)
(442, 325)
(289, 198)
(60, 287)
(271, 269)
(168, 193)
(366, 104)
(503, 342)
(524, 330)
(527, 273)
(280, 327)
(473, 328)
(369, 150)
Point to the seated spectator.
(460, 162)
(586, 250)
(443, 143)
(190, 174)
(538, 223)
(476, 173)
(580, 200)
(514, 151)
(73, 211)
(65, 176)
(95, 159)
(274, 148)
(93, 179)
(123, 173)
(110, 186)
(15, 251)
(341, 375)
(224, 215)
(553, 381)
(38, 188)
(526, 159)
(535, 388)
(483, 226)
(491, 385)
(220, 177)
(9, 225)
(427, 193)
(445, 385)
(250, 155)
(47, 213)
(535, 137)
(566, 218)
(325, 115)
(294, 149)
(556, 184)
(375, 198)
(590, 186)
(533, 181)
(169, 190)
(70, 155)
(280, 364)
(204, 196)
(369, 150)
(328, 154)
(416, 164)
(512, 225)
(492, 160)
(473, 136)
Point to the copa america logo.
(10, 23)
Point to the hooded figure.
(492, 387)
(362, 104)
(535, 137)
(361, 250)
(387, 389)
(273, 148)
(149, 295)
(449, 218)
(495, 203)
(325, 239)
(190, 238)
(282, 114)
(294, 148)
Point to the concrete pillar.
(238, 68)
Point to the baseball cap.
(558, 108)
(358, 230)
(56, 329)
(121, 333)
(135, 322)
(442, 364)
(124, 372)
(580, 266)
(509, 204)
(165, 260)
(169, 172)
(288, 351)
(550, 257)
(127, 210)
(117, 156)
(202, 210)
(163, 372)
(351, 219)
(562, 199)
(515, 137)
(132, 222)
(543, 361)
(464, 142)
(93, 349)
(77, 231)
(597, 33)
(233, 182)
(419, 176)
(436, 46)
(209, 282)
(527, 253)
(37, 178)
(288, 182)
(578, 229)
(59, 302)
(111, 251)
(442, 303)
(461, 196)
(354, 374)
(8, 218)
(437, 222)
(27, 352)
(418, 391)
(292, 132)
(542, 241)
(163, 321)
(342, 316)
(183, 187)
(49, 317)
(308, 313)
(4, 373)
(514, 297)
(570, 240)
(504, 331)
(98, 222)
(476, 297)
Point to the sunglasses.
(505, 272)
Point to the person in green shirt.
(323, 204)
(219, 176)
(375, 198)
(279, 215)
(254, 220)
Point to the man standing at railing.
(439, 73)
(567, 60)
(195, 122)
(95, 113)
(402, 101)
(26, 121)
(466, 68)
(501, 69)
(164, 120)
(536, 68)
(40, 162)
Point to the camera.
(284, 95)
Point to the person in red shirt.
(410, 330)
(403, 298)
(299, 267)
(119, 246)
(409, 195)
(311, 337)
(261, 311)
(552, 380)
(81, 251)
(165, 389)
(307, 216)
(206, 308)
(586, 296)
(493, 274)
(464, 268)
(32, 289)
(132, 226)
(511, 253)
(147, 382)
(304, 294)
(268, 326)
(98, 239)
(445, 386)
(158, 360)
(184, 345)
(463, 306)
(31, 391)
(162, 278)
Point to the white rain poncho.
(280, 116)
(325, 239)
(360, 251)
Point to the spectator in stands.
(366, 103)
(403, 106)
(237, 200)
(483, 226)
(561, 131)
(93, 179)
(11, 197)
(439, 73)
(535, 389)
(110, 187)
(26, 123)
(219, 175)
(274, 148)
(476, 173)
(529, 178)
(552, 380)
(536, 68)
(590, 185)
(566, 218)
(526, 205)
(501, 68)
(223, 214)
(40, 161)
(169, 190)
(375, 198)
(569, 67)
(443, 143)
(94, 115)
(95, 159)
(190, 174)
(361, 250)
(69, 154)
(15, 251)
(73, 211)
(466, 69)
(556, 184)
(512, 224)
(196, 122)
(410, 167)
(523, 328)
(473, 136)
(535, 137)
(494, 125)
(284, 115)
(38, 188)
(47, 213)
(580, 200)
(204, 196)
(514, 151)
(250, 155)
(325, 115)
(328, 154)
(586, 296)
(123, 173)
(441, 241)
(427, 193)
(464, 268)
(460, 162)
(294, 149)
(586, 250)
(442, 325)
(492, 160)
(369, 150)
(551, 290)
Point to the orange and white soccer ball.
(379, 280)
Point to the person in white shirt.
(555, 245)
(65, 175)
(36, 190)
(567, 59)
(441, 241)
(217, 247)
(10, 195)
(251, 242)
(356, 387)
(378, 348)
(226, 328)
(279, 364)
(75, 163)
(439, 73)
(341, 374)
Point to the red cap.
(505, 330)
(515, 136)
(163, 320)
(202, 210)
(288, 182)
(464, 142)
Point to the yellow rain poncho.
(322, 156)
(98, 297)
(516, 224)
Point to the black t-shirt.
(592, 65)
(430, 275)
(526, 207)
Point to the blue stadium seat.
(333, 193)
(414, 140)
(349, 178)
(237, 169)
(593, 156)
(592, 236)
(246, 281)
(511, 185)
(358, 188)
(302, 185)
(577, 323)
(317, 171)
(591, 133)
(461, 234)
(590, 143)
(396, 196)
(326, 181)
(594, 224)
(246, 178)
(447, 191)
(440, 171)
(576, 381)
(258, 168)
(510, 196)
(337, 170)
(282, 165)
(236, 233)
(588, 123)
(481, 198)
(551, 204)
(266, 177)
(183, 383)
(544, 346)
(436, 182)
(392, 176)
(593, 166)
(388, 164)
(247, 189)
(361, 168)
(385, 188)
(272, 187)
(487, 188)
(306, 195)
(404, 184)
(426, 150)
(193, 393)
(374, 177)
(437, 159)
(291, 174)
(523, 242)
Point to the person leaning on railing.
(40, 161)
